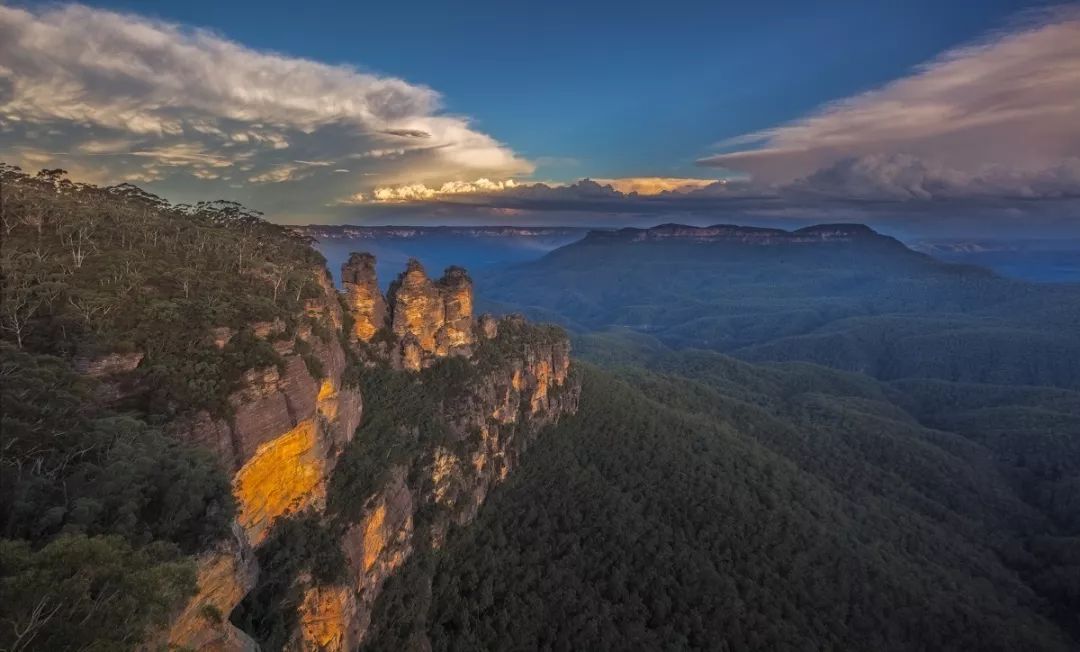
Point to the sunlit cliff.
(485, 386)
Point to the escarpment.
(286, 426)
(449, 402)
(182, 396)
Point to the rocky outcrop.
(224, 575)
(428, 319)
(362, 295)
(281, 443)
(289, 426)
(521, 381)
(456, 334)
(416, 307)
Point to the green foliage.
(401, 418)
(69, 466)
(87, 593)
(722, 505)
(405, 413)
(870, 306)
(212, 614)
(98, 503)
(91, 271)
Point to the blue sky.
(612, 89)
(934, 114)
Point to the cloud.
(610, 195)
(488, 191)
(898, 193)
(1010, 100)
(988, 131)
(408, 133)
(901, 177)
(420, 192)
(117, 92)
(655, 185)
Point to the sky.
(932, 117)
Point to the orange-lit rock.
(326, 619)
(444, 471)
(285, 475)
(416, 306)
(282, 441)
(456, 289)
(379, 544)
(224, 575)
(365, 301)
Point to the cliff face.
(292, 426)
(282, 441)
(518, 381)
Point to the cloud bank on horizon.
(988, 131)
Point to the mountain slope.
(797, 508)
(843, 296)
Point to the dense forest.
(848, 447)
(698, 502)
(100, 508)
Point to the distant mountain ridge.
(744, 234)
(843, 296)
(333, 231)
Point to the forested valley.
(891, 459)
(825, 445)
(698, 502)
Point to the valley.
(736, 438)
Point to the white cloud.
(124, 89)
(420, 192)
(1011, 100)
(655, 185)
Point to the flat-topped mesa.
(743, 235)
(428, 319)
(365, 301)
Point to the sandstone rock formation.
(429, 319)
(224, 575)
(493, 419)
(282, 442)
(288, 428)
(362, 295)
(456, 290)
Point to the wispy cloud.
(1010, 100)
(128, 91)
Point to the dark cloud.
(407, 133)
(898, 192)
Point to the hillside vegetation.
(100, 509)
(865, 304)
(699, 502)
